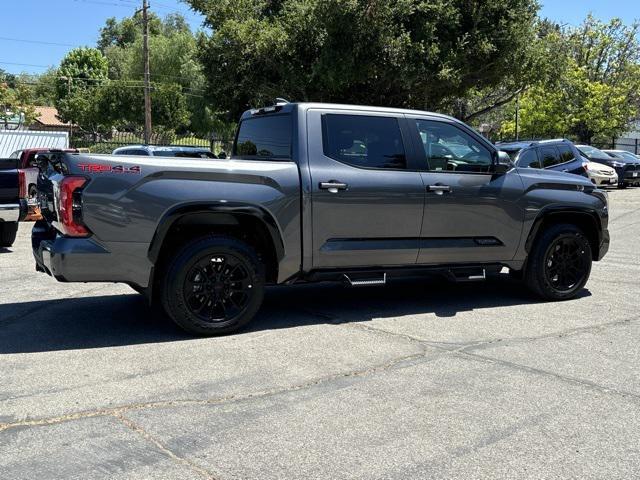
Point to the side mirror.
(503, 163)
(222, 155)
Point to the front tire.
(559, 263)
(213, 285)
(8, 233)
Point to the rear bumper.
(88, 260)
(66, 259)
(13, 212)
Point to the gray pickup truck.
(315, 192)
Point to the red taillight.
(68, 207)
(22, 181)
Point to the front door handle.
(439, 189)
(333, 186)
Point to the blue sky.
(77, 22)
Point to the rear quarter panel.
(124, 210)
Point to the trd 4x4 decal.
(98, 168)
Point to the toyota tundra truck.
(315, 192)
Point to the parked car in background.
(629, 157)
(27, 163)
(602, 175)
(165, 151)
(12, 208)
(317, 192)
(622, 154)
(559, 155)
(628, 170)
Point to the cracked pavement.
(413, 380)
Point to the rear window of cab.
(264, 138)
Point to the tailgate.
(9, 188)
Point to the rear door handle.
(439, 189)
(333, 186)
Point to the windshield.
(593, 152)
(629, 157)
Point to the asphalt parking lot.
(413, 380)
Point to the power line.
(23, 40)
(113, 80)
(98, 2)
(25, 64)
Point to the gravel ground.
(412, 380)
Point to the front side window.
(264, 138)
(549, 156)
(566, 153)
(448, 148)
(363, 141)
(529, 159)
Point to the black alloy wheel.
(217, 288)
(559, 263)
(566, 264)
(213, 285)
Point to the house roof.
(48, 116)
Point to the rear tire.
(559, 263)
(8, 233)
(213, 285)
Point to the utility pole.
(518, 117)
(147, 80)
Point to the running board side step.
(366, 281)
(462, 274)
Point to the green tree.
(174, 67)
(83, 68)
(15, 101)
(126, 31)
(119, 104)
(596, 95)
(383, 52)
(80, 75)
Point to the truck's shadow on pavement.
(118, 320)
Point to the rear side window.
(529, 159)
(263, 138)
(566, 153)
(363, 141)
(549, 156)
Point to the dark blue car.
(560, 155)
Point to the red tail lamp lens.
(69, 207)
